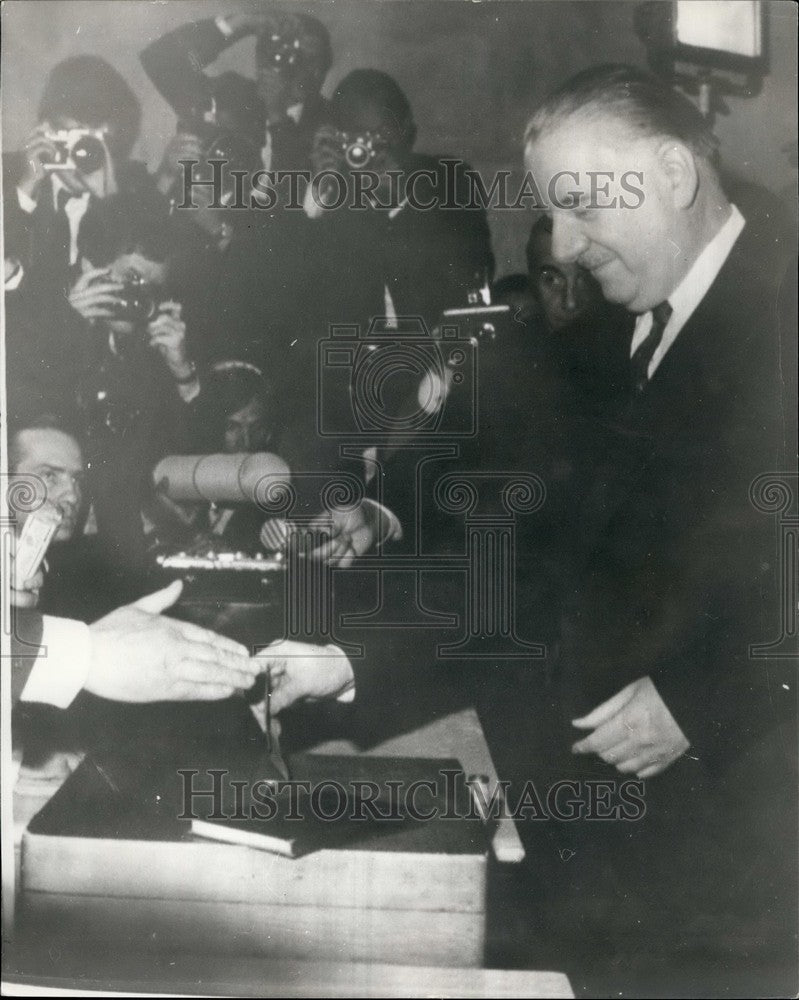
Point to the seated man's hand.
(300, 670)
(634, 731)
(138, 655)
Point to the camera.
(336, 148)
(283, 51)
(80, 149)
(395, 379)
(138, 303)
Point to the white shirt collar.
(691, 290)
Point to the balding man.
(676, 578)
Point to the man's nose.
(568, 241)
(69, 493)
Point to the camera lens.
(138, 304)
(357, 155)
(88, 154)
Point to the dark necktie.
(646, 349)
(61, 232)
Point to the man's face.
(246, 430)
(564, 291)
(56, 458)
(631, 251)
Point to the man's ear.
(679, 167)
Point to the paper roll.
(240, 478)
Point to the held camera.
(337, 149)
(79, 149)
(138, 303)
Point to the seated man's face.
(56, 458)
(565, 291)
(246, 429)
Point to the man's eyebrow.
(48, 467)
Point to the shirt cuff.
(346, 693)
(61, 669)
(26, 203)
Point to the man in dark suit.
(672, 576)
(78, 152)
(675, 579)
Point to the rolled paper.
(239, 478)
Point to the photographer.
(77, 154)
(268, 123)
(406, 227)
(140, 377)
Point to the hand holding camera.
(167, 333)
(96, 295)
(74, 154)
(39, 149)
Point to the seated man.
(75, 584)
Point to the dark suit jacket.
(677, 576)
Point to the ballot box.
(106, 863)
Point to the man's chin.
(65, 533)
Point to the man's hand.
(95, 295)
(38, 150)
(167, 334)
(300, 670)
(138, 656)
(634, 731)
